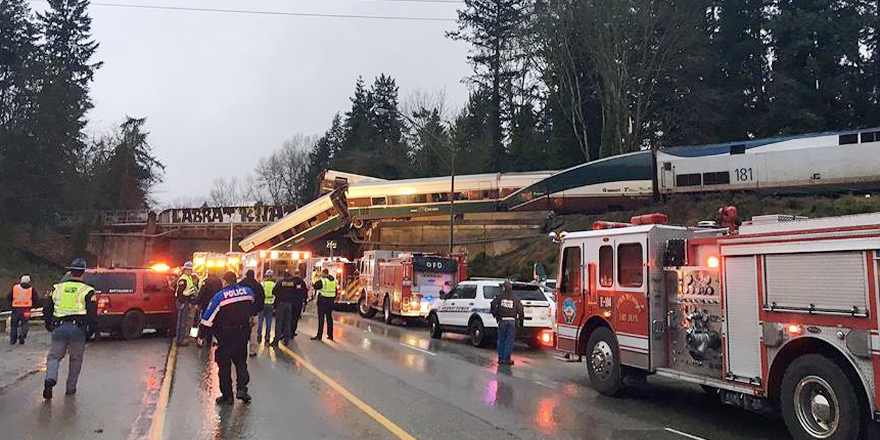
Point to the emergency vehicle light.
(160, 267)
(263, 254)
(713, 261)
(274, 255)
(306, 255)
(294, 256)
(794, 329)
(232, 261)
(547, 338)
(338, 270)
(199, 261)
(609, 225)
(211, 263)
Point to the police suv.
(466, 309)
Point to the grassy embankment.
(681, 211)
(28, 250)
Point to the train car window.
(719, 178)
(461, 196)
(571, 271)
(846, 139)
(378, 201)
(871, 136)
(630, 269)
(738, 149)
(606, 266)
(688, 180)
(396, 200)
(440, 197)
(418, 198)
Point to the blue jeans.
(506, 336)
(183, 322)
(67, 338)
(19, 329)
(265, 316)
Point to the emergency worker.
(265, 317)
(228, 315)
(291, 293)
(22, 298)
(259, 301)
(210, 287)
(508, 311)
(326, 291)
(70, 314)
(185, 294)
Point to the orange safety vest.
(22, 297)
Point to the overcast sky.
(221, 90)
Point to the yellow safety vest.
(69, 298)
(268, 286)
(328, 288)
(190, 285)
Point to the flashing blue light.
(429, 298)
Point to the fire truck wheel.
(603, 364)
(364, 308)
(477, 332)
(386, 310)
(818, 401)
(132, 326)
(436, 332)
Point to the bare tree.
(283, 175)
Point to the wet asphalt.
(431, 389)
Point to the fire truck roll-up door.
(833, 282)
(743, 332)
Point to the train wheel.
(819, 402)
(603, 362)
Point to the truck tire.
(477, 332)
(603, 362)
(818, 401)
(364, 307)
(434, 323)
(132, 326)
(386, 310)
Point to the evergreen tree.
(431, 144)
(527, 149)
(321, 156)
(471, 136)
(63, 101)
(131, 170)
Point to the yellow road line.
(156, 432)
(388, 424)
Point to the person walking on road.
(259, 301)
(326, 289)
(508, 311)
(210, 287)
(265, 317)
(70, 314)
(229, 317)
(185, 294)
(291, 294)
(22, 298)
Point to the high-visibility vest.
(70, 298)
(328, 288)
(268, 285)
(190, 285)
(22, 297)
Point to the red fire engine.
(781, 316)
(406, 284)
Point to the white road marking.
(684, 434)
(418, 349)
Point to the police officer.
(210, 287)
(265, 316)
(508, 311)
(326, 288)
(22, 298)
(229, 317)
(259, 300)
(185, 294)
(291, 293)
(70, 315)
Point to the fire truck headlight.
(713, 261)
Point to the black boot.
(244, 396)
(224, 400)
(47, 388)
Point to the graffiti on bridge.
(240, 214)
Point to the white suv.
(466, 309)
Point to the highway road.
(374, 382)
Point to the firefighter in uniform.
(326, 288)
(508, 311)
(228, 315)
(265, 316)
(185, 293)
(22, 299)
(70, 315)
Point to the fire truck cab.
(780, 316)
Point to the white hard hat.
(269, 273)
(25, 279)
(188, 265)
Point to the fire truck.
(278, 262)
(345, 273)
(781, 316)
(406, 284)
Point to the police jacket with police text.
(291, 291)
(507, 305)
(230, 308)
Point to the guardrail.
(6, 317)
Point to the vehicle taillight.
(546, 338)
(103, 304)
